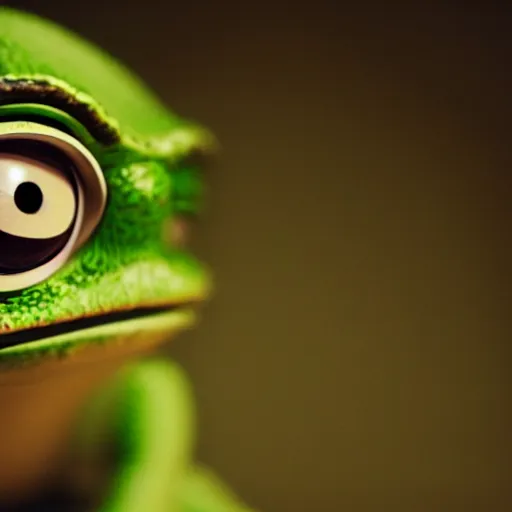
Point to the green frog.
(99, 184)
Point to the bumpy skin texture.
(142, 169)
(125, 265)
(145, 153)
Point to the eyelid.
(48, 116)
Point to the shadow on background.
(357, 353)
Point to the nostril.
(177, 231)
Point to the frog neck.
(41, 404)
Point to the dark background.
(356, 355)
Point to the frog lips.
(38, 333)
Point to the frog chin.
(89, 340)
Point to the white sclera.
(58, 207)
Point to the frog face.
(98, 181)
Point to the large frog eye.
(38, 205)
(52, 195)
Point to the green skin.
(143, 151)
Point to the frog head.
(98, 182)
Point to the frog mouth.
(39, 333)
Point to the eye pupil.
(28, 197)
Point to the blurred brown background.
(357, 353)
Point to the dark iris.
(24, 254)
(28, 197)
